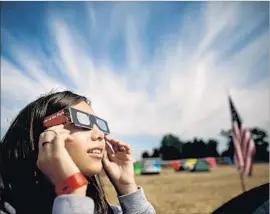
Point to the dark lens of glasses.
(101, 124)
(83, 118)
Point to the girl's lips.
(95, 155)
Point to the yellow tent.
(190, 163)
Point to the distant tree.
(170, 153)
(187, 150)
(195, 149)
(145, 154)
(261, 140)
(260, 136)
(200, 148)
(171, 140)
(212, 148)
(171, 147)
(156, 153)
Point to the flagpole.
(227, 91)
(242, 182)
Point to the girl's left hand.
(119, 166)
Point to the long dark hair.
(25, 186)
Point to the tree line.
(173, 148)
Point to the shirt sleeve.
(134, 203)
(73, 204)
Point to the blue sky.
(150, 68)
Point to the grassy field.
(187, 193)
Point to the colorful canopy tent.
(178, 166)
(224, 160)
(200, 166)
(137, 168)
(228, 160)
(182, 162)
(211, 161)
(181, 168)
(189, 164)
(151, 166)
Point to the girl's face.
(88, 146)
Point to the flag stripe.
(244, 146)
(237, 146)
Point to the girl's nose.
(97, 134)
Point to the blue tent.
(228, 160)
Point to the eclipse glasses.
(76, 117)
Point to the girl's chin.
(92, 170)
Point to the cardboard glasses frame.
(70, 115)
(78, 118)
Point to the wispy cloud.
(180, 88)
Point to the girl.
(50, 168)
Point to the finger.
(128, 151)
(54, 132)
(61, 126)
(54, 129)
(48, 138)
(55, 146)
(122, 144)
(123, 156)
(110, 148)
(107, 159)
(111, 140)
(118, 145)
(124, 147)
(110, 152)
(60, 141)
(43, 144)
(114, 141)
(105, 156)
(9, 208)
(49, 135)
(106, 162)
(46, 146)
(115, 148)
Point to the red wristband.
(70, 184)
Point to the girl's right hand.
(53, 158)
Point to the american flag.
(244, 146)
